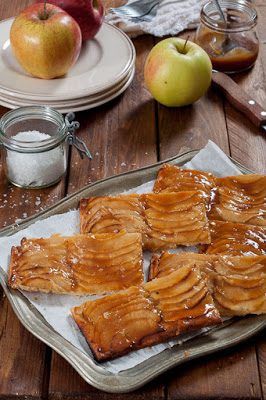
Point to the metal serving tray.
(233, 331)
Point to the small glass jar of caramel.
(232, 44)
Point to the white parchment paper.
(56, 308)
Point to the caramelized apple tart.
(77, 265)
(240, 199)
(185, 291)
(235, 239)
(172, 178)
(165, 220)
(165, 263)
(237, 283)
(111, 214)
(147, 314)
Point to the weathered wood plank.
(261, 353)
(227, 375)
(24, 365)
(66, 384)
(12, 8)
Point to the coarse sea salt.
(36, 168)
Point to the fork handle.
(239, 98)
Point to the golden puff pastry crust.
(77, 265)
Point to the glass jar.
(34, 140)
(231, 45)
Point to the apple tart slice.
(165, 220)
(236, 283)
(240, 199)
(78, 265)
(174, 219)
(165, 263)
(147, 314)
(172, 178)
(239, 285)
(111, 214)
(235, 239)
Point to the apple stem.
(182, 52)
(44, 9)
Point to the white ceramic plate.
(69, 102)
(81, 106)
(103, 62)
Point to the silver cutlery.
(228, 44)
(138, 10)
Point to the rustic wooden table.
(130, 132)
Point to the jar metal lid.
(66, 130)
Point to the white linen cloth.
(173, 17)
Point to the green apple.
(177, 72)
(45, 40)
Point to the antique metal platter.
(233, 331)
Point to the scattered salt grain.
(35, 169)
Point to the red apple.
(89, 14)
(45, 41)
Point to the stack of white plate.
(104, 69)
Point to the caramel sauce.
(239, 58)
(235, 239)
